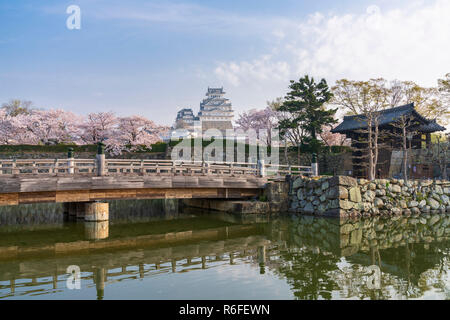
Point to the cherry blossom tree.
(259, 120)
(134, 133)
(7, 129)
(98, 127)
(51, 126)
(14, 129)
(333, 139)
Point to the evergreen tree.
(305, 104)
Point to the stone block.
(343, 181)
(345, 204)
(355, 194)
(297, 183)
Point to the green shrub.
(63, 148)
(47, 148)
(419, 196)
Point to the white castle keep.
(215, 113)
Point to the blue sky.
(155, 57)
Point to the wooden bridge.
(86, 180)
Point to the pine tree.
(305, 104)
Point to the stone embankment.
(342, 196)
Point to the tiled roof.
(387, 116)
(432, 126)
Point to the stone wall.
(343, 196)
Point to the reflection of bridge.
(81, 180)
(114, 260)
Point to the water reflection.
(290, 257)
(329, 258)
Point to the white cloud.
(408, 43)
(260, 69)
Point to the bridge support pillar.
(97, 211)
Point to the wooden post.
(203, 262)
(12, 285)
(262, 259)
(101, 163)
(261, 168)
(13, 167)
(100, 278)
(70, 161)
(55, 166)
(314, 165)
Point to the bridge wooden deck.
(35, 189)
(77, 180)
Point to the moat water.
(152, 250)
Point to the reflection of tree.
(316, 271)
(308, 274)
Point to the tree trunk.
(370, 151)
(375, 145)
(405, 155)
(286, 158)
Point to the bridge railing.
(146, 167)
(47, 166)
(171, 167)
